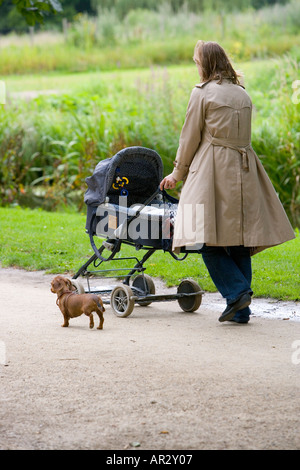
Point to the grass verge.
(56, 242)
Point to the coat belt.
(243, 150)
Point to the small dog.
(73, 305)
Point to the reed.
(49, 145)
(145, 38)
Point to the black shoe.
(229, 312)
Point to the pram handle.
(173, 200)
(167, 196)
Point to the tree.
(34, 11)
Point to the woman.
(227, 201)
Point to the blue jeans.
(231, 272)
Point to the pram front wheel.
(121, 301)
(193, 302)
(144, 283)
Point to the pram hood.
(134, 172)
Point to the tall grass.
(276, 136)
(49, 145)
(56, 141)
(145, 38)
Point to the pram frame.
(189, 294)
(142, 290)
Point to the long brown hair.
(214, 63)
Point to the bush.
(277, 139)
(52, 143)
(160, 37)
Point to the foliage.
(246, 35)
(33, 10)
(49, 145)
(144, 38)
(278, 134)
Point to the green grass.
(84, 81)
(57, 242)
(182, 74)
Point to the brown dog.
(73, 305)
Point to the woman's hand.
(168, 183)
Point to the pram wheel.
(144, 283)
(121, 301)
(193, 302)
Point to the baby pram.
(125, 206)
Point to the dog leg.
(91, 319)
(101, 319)
(66, 321)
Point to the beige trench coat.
(227, 198)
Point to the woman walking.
(235, 211)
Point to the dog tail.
(100, 304)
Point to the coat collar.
(201, 85)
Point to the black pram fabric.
(134, 172)
(130, 178)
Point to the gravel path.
(159, 379)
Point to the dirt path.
(159, 379)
